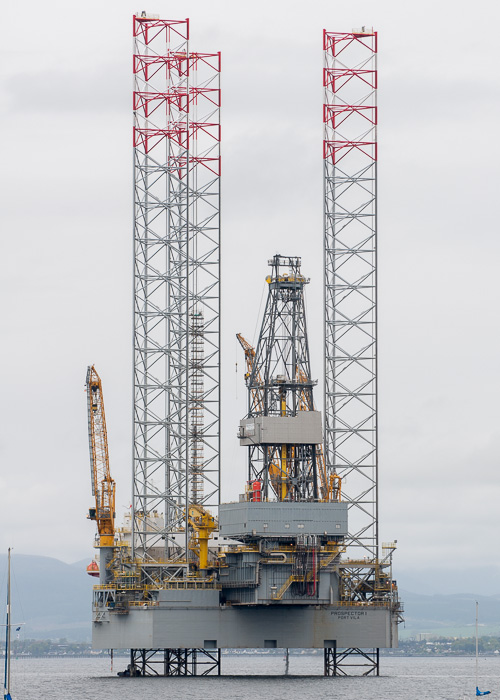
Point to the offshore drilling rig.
(296, 561)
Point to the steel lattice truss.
(280, 385)
(350, 249)
(177, 284)
(176, 662)
(282, 347)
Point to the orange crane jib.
(257, 398)
(103, 486)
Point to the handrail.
(143, 603)
(166, 585)
(291, 579)
(362, 604)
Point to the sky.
(66, 282)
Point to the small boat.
(478, 692)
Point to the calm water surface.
(255, 677)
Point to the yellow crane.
(103, 486)
(249, 360)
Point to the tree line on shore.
(428, 645)
(425, 646)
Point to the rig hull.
(194, 624)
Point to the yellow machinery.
(103, 486)
(249, 360)
(203, 525)
(330, 487)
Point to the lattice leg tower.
(177, 289)
(196, 405)
(350, 288)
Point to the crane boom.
(103, 486)
(249, 351)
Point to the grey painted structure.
(304, 428)
(247, 520)
(279, 586)
(278, 580)
(194, 619)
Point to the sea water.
(256, 677)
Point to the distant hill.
(53, 599)
(450, 615)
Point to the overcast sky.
(66, 186)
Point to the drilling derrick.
(280, 386)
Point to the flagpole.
(477, 646)
(7, 637)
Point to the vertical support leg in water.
(287, 661)
(351, 662)
(173, 662)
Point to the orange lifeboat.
(93, 568)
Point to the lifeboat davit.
(93, 568)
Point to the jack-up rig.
(295, 563)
